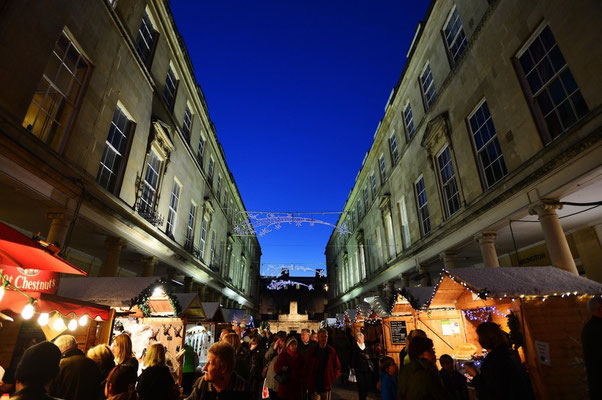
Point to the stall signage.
(31, 280)
(398, 332)
(449, 327)
(543, 352)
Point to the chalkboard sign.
(398, 332)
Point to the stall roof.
(379, 305)
(113, 291)
(191, 305)
(417, 296)
(513, 282)
(352, 314)
(213, 311)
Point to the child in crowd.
(388, 378)
(454, 382)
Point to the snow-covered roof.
(352, 313)
(380, 306)
(516, 281)
(113, 291)
(212, 310)
(417, 296)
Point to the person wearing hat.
(39, 365)
(289, 370)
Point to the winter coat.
(238, 389)
(419, 380)
(592, 354)
(303, 348)
(155, 383)
(502, 377)
(331, 370)
(360, 359)
(294, 388)
(270, 360)
(78, 379)
(388, 387)
(242, 362)
(455, 383)
(32, 393)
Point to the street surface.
(349, 392)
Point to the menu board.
(398, 332)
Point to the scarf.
(361, 346)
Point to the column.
(556, 242)
(114, 247)
(425, 276)
(59, 226)
(149, 263)
(449, 259)
(202, 292)
(486, 240)
(187, 284)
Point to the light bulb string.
(6, 283)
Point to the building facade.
(488, 153)
(107, 147)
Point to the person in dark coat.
(306, 342)
(502, 376)
(122, 350)
(322, 368)
(242, 365)
(292, 362)
(362, 366)
(404, 358)
(454, 382)
(38, 366)
(388, 378)
(419, 379)
(103, 357)
(79, 377)
(591, 339)
(121, 383)
(255, 375)
(156, 381)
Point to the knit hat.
(39, 364)
(289, 341)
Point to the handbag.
(282, 376)
(370, 365)
(265, 392)
(352, 377)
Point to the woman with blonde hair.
(156, 381)
(242, 365)
(122, 350)
(103, 357)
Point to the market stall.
(29, 309)
(542, 308)
(144, 307)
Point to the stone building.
(489, 151)
(108, 150)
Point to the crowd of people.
(251, 365)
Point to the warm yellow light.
(43, 319)
(83, 320)
(27, 312)
(72, 325)
(1, 291)
(58, 324)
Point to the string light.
(43, 319)
(28, 311)
(83, 320)
(2, 290)
(72, 324)
(58, 324)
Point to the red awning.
(46, 303)
(17, 250)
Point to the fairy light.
(58, 324)
(28, 311)
(72, 325)
(43, 319)
(83, 320)
(2, 290)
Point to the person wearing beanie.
(79, 377)
(38, 366)
(289, 367)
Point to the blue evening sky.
(295, 90)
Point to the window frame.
(152, 205)
(410, 132)
(172, 213)
(444, 185)
(427, 102)
(481, 168)
(423, 229)
(120, 171)
(148, 60)
(453, 58)
(393, 147)
(192, 214)
(187, 122)
(382, 168)
(169, 95)
(532, 98)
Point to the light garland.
(279, 285)
(477, 314)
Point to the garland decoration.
(143, 297)
(516, 335)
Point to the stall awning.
(17, 250)
(47, 303)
